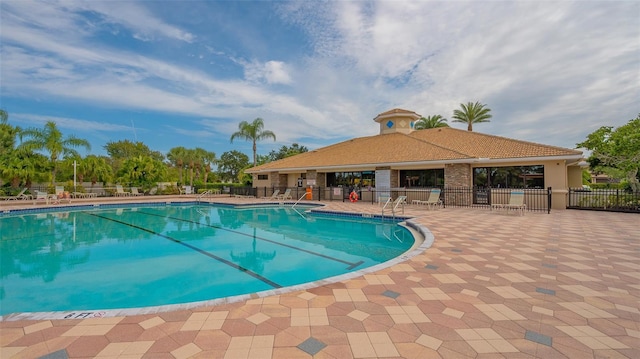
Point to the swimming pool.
(151, 255)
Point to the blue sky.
(185, 73)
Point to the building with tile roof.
(400, 156)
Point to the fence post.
(549, 200)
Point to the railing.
(203, 194)
(389, 201)
(299, 199)
(613, 200)
(536, 199)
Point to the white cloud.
(551, 71)
(271, 72)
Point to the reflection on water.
(117, 258)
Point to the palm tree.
(50, 139)
(253, 132)
(141, 171)
(177, 157)
(96, 169)
(434, 121)
(205, 160)
(472, 113)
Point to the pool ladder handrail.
(400, 201)
(201, 195)
(299, 199)
(389, 200)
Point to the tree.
(126, 149)
(283, 152)
(231, 164)
(433, 121)
(96, 169)
(141, 171)
(205, 160)
(177, 157)
(8, 136)
(616, 150)
(50, 140)
(253, 132)
(472, 113)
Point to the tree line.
(46, 155)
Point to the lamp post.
(74, 177)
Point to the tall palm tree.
(204, 161)
(50, 139)
(472, 113)
(433, 121)
(253, 132)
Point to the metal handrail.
(299, 199)
(207, 192)
(385, 206)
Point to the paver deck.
(493, 285)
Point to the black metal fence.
(535, 199)
(614, 200)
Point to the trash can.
(309, 193)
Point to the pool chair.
(134, 192)
(60, 195)
(285, 195)
(516, 201)
(41, 196)
(434, 199)
(120, 192)
(20, 195)
(274, 196)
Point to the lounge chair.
(41, 196)
(20, 195)
(134, 192)
(516, 201)
(153, 190)
(274, 196)
(434, 199)
(120, 192)
(285, 195)
(60, 195)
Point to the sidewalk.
(559, 285)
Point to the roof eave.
(575, 157)
(363, 166)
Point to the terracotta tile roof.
(433, 145)
(397, 111)
(479, 145)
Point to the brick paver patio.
(493, 285)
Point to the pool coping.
(423, 239)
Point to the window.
(422, 178)
(263, 177)
(509, 177)
(350, 179)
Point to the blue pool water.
(107, 258)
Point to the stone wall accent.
(313, 175)
(395, 178)
(457, 175)
(321, 179)
(276, 179)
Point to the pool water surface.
(134, 257)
